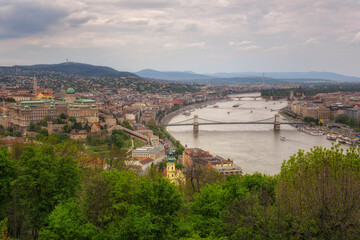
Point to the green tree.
(63, 116)
(44, 181)
(7, 175)
(68, 222)
(317, 194)
(67, 128)
(206, 210)
(72, 119)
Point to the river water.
(255, 148)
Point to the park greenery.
(46, 193)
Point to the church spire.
(35, 85)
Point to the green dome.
(70, 91)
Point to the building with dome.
(24, 112)
(70, 96)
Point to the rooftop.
(147, 150)
(70, 91)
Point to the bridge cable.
(183, 121)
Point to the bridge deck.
(226, 123)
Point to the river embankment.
(167, 118)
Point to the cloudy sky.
(205, 36)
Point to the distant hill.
(290, 75)
(79, 69)
(179, 76)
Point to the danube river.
(256, 148)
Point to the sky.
(205, 36)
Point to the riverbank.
(167, 118)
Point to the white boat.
(331, 137)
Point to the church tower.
(170, 167)
(35, 86)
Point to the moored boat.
(236, 105)
(331, 137)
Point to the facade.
(229, 170)
(354, 113)
(157, 154)
(171, 173)
(24, 112)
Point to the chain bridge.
(195, 122)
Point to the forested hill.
(80, 69)
(172, 75)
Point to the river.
(256, 148)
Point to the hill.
(179, 76)
(79, 69)
(290, 75)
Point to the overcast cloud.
(198, 35)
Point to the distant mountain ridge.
(290, 75)
(245, 77)
(81, 69)
(171, 75)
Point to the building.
(24, 112)
(156, 154)
(84, 110)
(171, 172)
(228, 170)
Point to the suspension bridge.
(195, 122)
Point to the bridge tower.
(277, 122)
(196, 123)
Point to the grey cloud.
(191, 27)
(19, 19)
(76, 22)
(145, 4)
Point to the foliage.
(126, 124)
(318, 194)
(72, 119)
(68, 222)
(315, 196)
(7, 175)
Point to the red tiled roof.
(145, 160)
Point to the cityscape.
(179, 120)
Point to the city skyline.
(199, 36)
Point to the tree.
(72, 119)
(68, 222)
(43, 182)
(317, 194)
(206, 210)
(67, 128)
(7, 175)
(63, 116)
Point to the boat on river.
(331, 137)
(187, 113)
